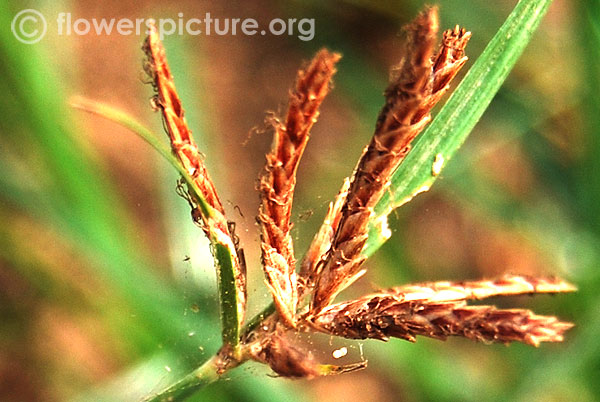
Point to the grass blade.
(127, 121)
(447, 133)
(221, 246)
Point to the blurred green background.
(107, 289)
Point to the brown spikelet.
(439, 310)
(167, 100)
(417, 85)
(215, 224)
(279, 179)
(505, 286)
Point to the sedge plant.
(403, 158)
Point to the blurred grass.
(68, 248)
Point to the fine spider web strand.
(314, 259)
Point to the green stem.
(230, 308)
(206, 374)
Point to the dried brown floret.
(285, 359)
(290, 361)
